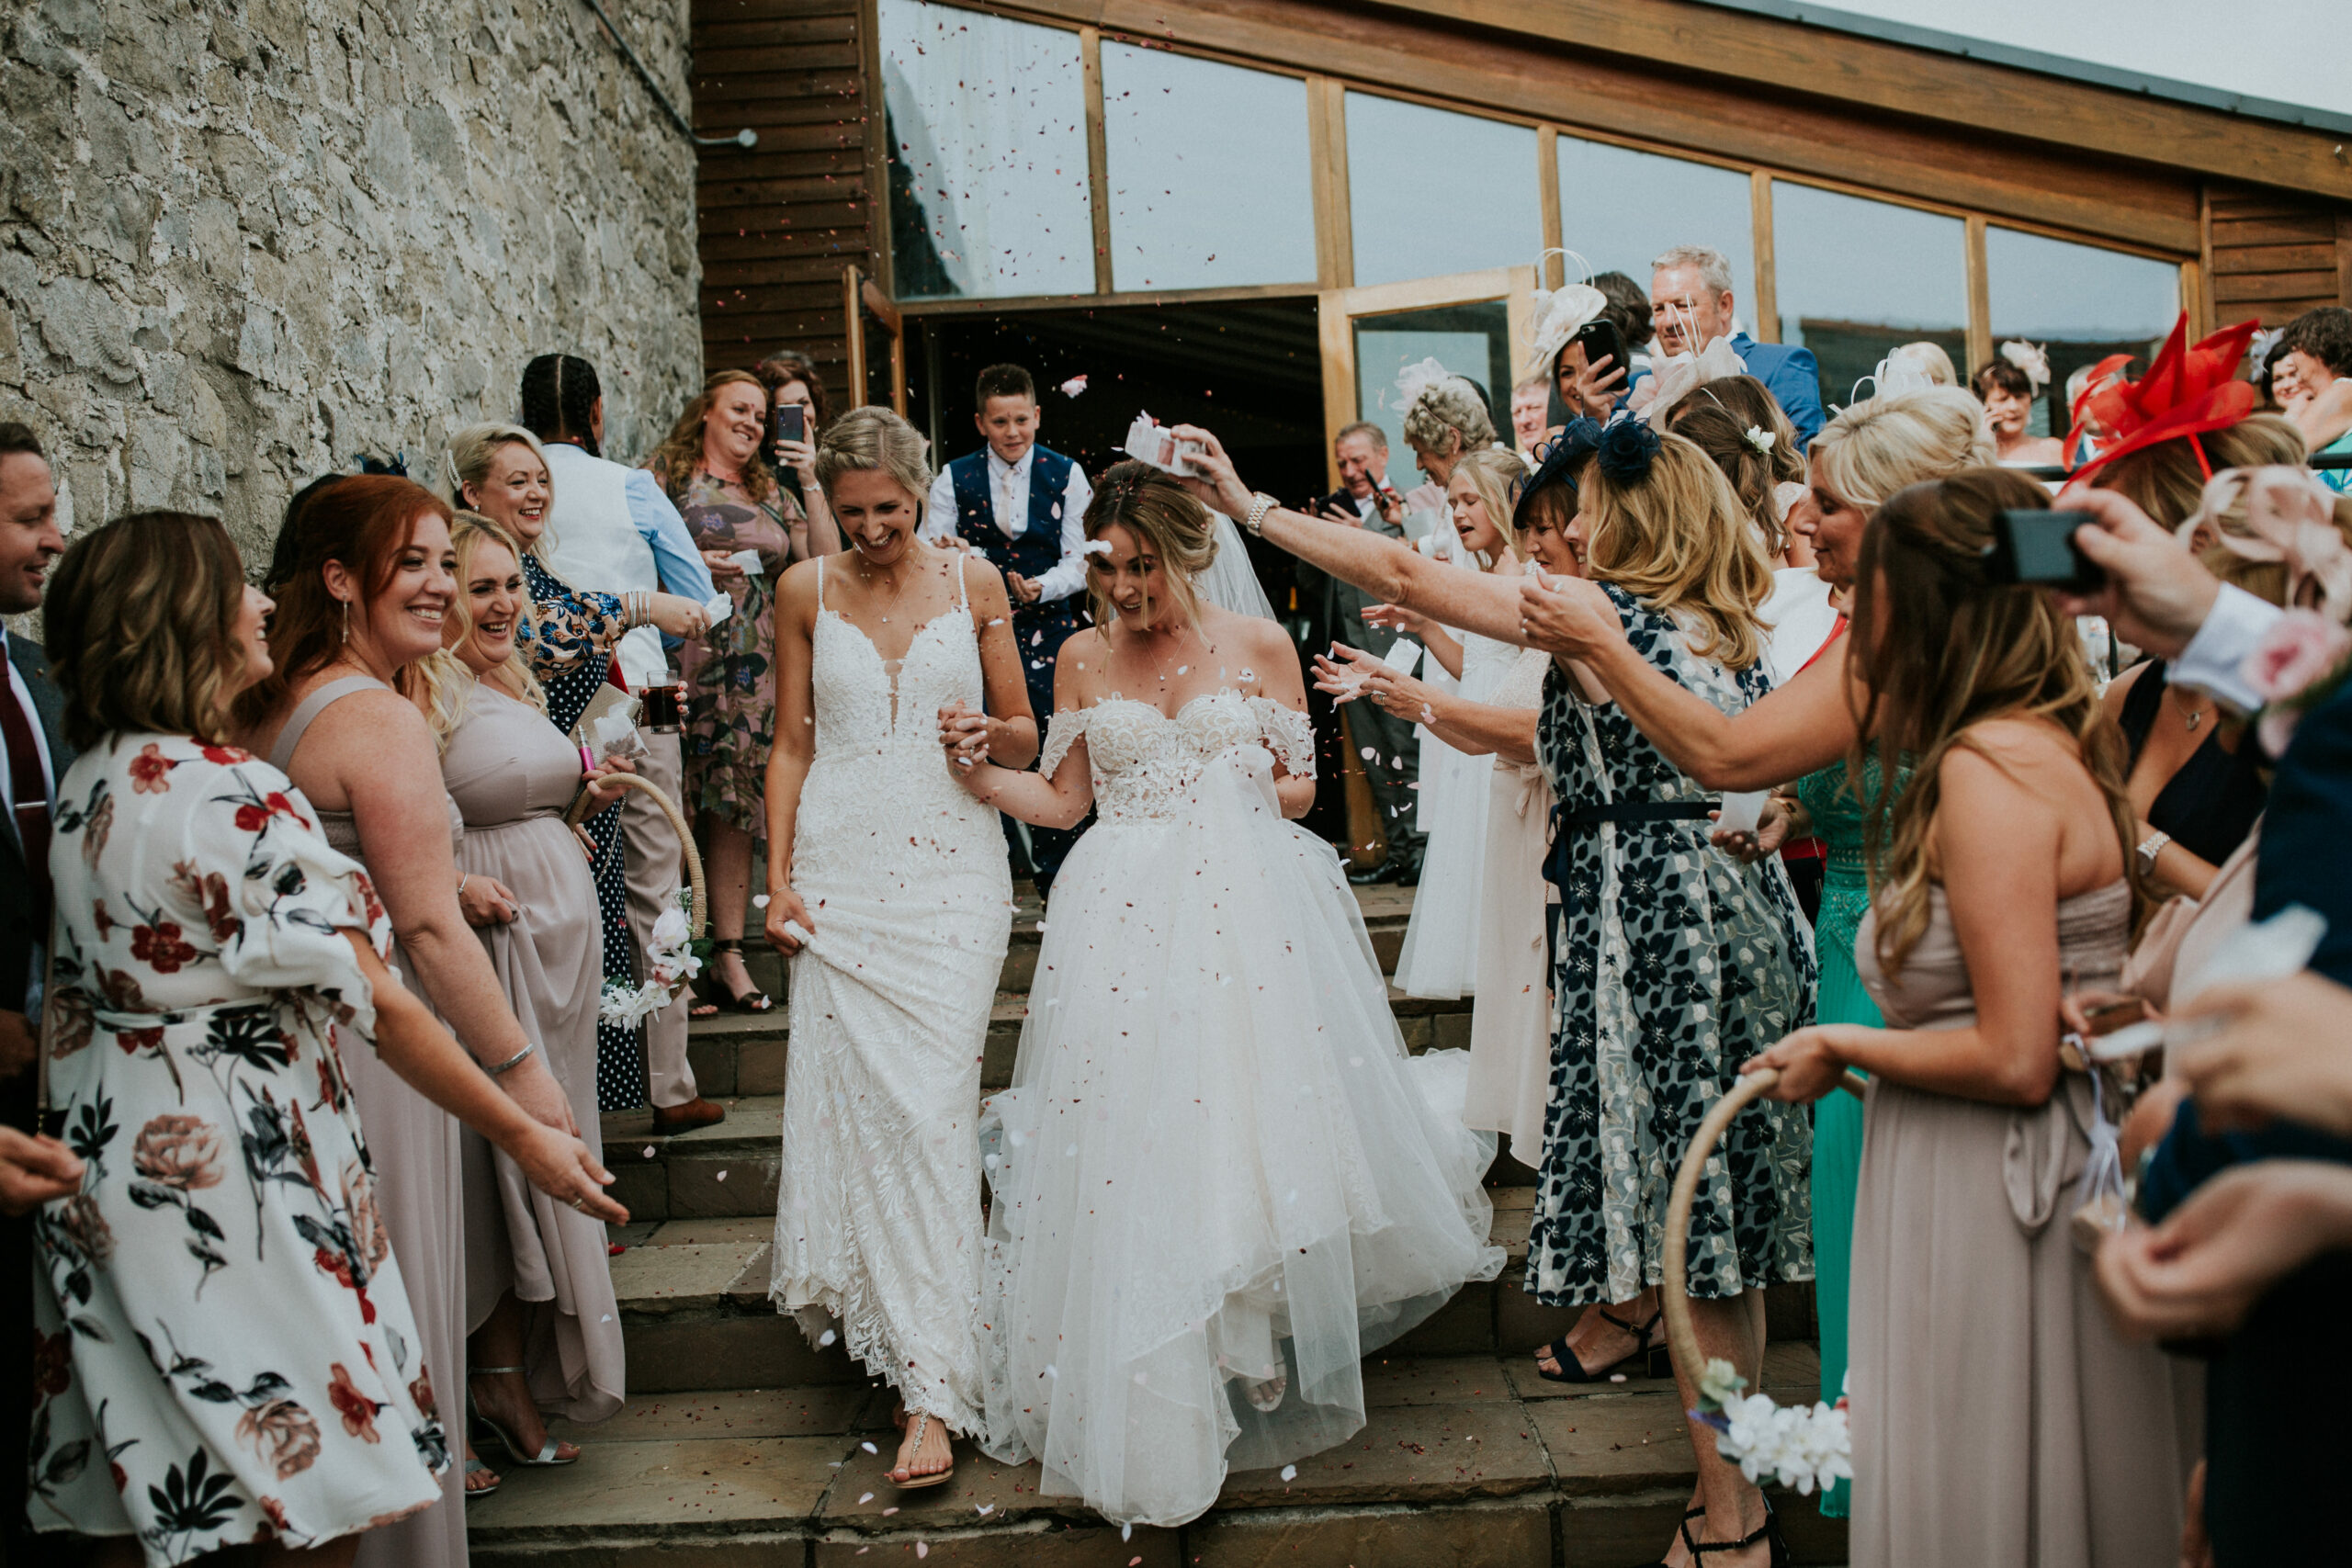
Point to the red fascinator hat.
(2190, 388)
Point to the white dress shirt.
(1009, 499)
(23, 693)
(2214, 660)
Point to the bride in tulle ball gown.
(1218, 1180)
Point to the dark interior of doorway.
(1250, 370)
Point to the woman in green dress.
(749, 529)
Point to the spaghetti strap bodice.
(341, 829)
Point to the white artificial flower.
(1759, 437)
(669, 930)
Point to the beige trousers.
(654, 869)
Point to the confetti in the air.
(1074, 386)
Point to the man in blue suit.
(1690, 306)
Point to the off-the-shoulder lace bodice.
(1144, 762)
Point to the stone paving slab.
(658, 1281)
(810, 1410)
(1616, 1445)
(1407, 1454)
(1513, 1534)
(688, 1488)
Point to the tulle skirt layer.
(1218, 1180)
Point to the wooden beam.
(878, 152)
(968, 306)
(1767, 258)
(2203, 313)
(855, 327)
(2344, 258)
(1547, 196)
(1980, 298)
(1327, 146)
(1098, 158)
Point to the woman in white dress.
(1510, 1028)
(1218, 1180)
(888, 891)
(1441, 954)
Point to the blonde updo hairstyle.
(1493, 471)
(1678, 540)
(2166, 482)
(442, 683)
(874, 440)
(1167, 521)
(1448, 417)
(1883, 444)
(467, 462)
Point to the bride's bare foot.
(927, 1451)
(1266, 1393)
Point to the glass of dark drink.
(663, 706)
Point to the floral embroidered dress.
(567, 640)
(1675, 964)
(224, 1349)
(731, 673)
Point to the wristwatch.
(2150, 848)
(1260, 504)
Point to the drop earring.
(346, 620)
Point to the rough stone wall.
(242, 241)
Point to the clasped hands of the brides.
(965, 734)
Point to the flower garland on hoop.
(673, 957)
(1796, 1446)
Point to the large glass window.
(1431, 193)
(1211, 181)
(1620, 208)
(2079, 303)
(987, 126)
(1471, 340)
(1855, 278)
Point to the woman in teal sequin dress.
(1836, 813)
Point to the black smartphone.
(2037, 548)
(787, 422)
(1600, 336)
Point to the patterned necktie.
(1008, 514)
(30, 790)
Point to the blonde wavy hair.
(1493, 471)
(1880, 445)
(877, 440)
(1165, 521)
(468, 460)
(1939, 650)
(1449, 406)
(1678, 540)
(442, 683)
(140, 624)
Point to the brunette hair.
(1002, 381)
(2000, 372)
(2325, 333)
(140, 624)
(1629, 307)
(558, 397)
(18, 439)
(2165, 480)
(1673, 537)
(1939, 649)
(789, 364)
(364, 521)
(443, 683)
(1165, 520)
(1716, 418)
(679, 458)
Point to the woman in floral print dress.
(225, 1352)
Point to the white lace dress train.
(1217, 1168)
(877, 1225)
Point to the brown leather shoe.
(696, 1112)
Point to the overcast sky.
(2290, 51)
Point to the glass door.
(876, 333)
(1474, 323)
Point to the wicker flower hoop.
(698, 916)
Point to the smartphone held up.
(2035, 548)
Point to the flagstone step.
(1464, 1460)
(692, 1297)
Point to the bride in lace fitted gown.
(1218, 1180)
(889, 890)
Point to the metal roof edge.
(2086, 71)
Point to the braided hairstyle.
(559, 393)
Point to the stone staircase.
(744, 1445)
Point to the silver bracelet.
(500, 1070)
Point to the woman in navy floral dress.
(225, 1352)
(499, 471)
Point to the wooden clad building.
(1433, 150)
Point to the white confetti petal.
(866, 1497)
(1290, 1472)
(759, 900)
(826, 1338)
(869, 1448)
(722, 1176)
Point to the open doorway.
(1250, 371)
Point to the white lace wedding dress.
(1218, 1180)
(877, 1225)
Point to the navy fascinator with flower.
(1558, 462)
(1627, 449)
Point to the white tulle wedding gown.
(1218, 1180)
